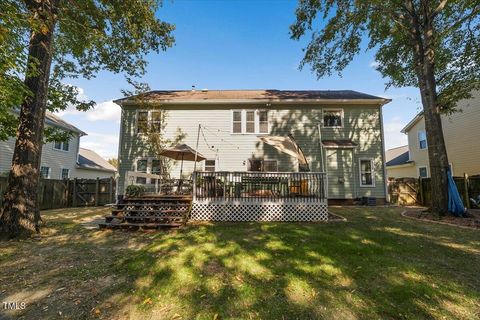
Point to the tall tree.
(432, 45)
(45, 42)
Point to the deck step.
(148, 212)
(153, 204)
(104, 225)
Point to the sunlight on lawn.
(388, 267)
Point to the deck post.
(467, 196)
(196, 149)
(74, 193)
(97, 191)
(111, 190)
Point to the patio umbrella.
(286, 145)
(182, 152)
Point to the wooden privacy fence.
(55, 194)
(411, 191)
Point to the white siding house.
(61, 160)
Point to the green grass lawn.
(376, 265)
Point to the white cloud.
(374, 64)
(393, 136)
(105, 111)
(105, 145)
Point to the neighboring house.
(91, 165)
(62, 160)
(233, 120)
(462, 140)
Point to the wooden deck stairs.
(152, 212)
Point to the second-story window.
(61, 145)
(237, 121)
(422, 140)
(250, 121)
(332, 118)
(149, 121)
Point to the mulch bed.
(472, 219)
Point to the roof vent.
(205, 90)
(193, 88)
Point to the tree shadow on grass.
(377, 265)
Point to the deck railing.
(156, 184)
(260, 186)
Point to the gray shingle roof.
(89, 159)
(55, 120)
(397, 156)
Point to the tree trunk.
(20, 214)
(437, 152)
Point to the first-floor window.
(210, 165)
(142, 165)
(262, 165)
(65, 173)
(156, 169)
(423, 172)
(366, 173)
(45, 172)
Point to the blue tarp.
(455, 203)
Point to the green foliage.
(135, 191)
(89, 36)
(388, 26)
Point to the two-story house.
(62, 160)
(462, 140)
(340, 132)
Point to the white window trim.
(418, 139)
(61, 146)
(244, 122)
(61, 173)
(149, 118)
(451, 168)
(426, 168)
(360, 173)
(342, 114)
(263, 160)
(49, 171)
(205, 164)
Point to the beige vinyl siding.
(231, 151)
(409, 171)
(462, 139)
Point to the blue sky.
(233, 45)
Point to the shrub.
(135, 191)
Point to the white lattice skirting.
(254, 211)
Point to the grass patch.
(377, 265)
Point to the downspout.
(120, 142)
(384, 169)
